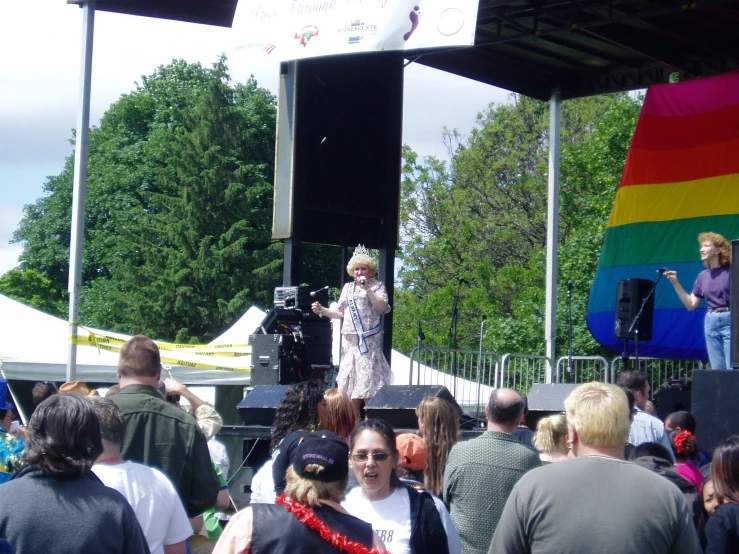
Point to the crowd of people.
(602, 466)
(133, 473)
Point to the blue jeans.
(717, 328)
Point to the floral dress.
(11, 450)
(363, 369)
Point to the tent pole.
(550, 324)
(76, 243)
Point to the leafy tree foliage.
(179, 208)
(482, 217)
(33, 289)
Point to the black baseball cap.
(325, 450)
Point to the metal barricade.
(584, 370)
(470, 383)
(520, 371)
(658, 370)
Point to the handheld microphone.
(319, 291)
(661, 271)
(362, 281)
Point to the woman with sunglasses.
(405, 519)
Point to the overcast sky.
(39, 89)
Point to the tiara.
(360, 250)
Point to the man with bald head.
(481, 472)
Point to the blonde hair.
(361, 259)
(549, 432)
(312, 492)
(599, 413)
(724, 250)
(341, 416)
(440, 433)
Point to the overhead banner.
(297, 29)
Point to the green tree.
(205, 246)
(179, 205)
(33, 289)
(482, 217)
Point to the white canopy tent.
(240, 331)
(33, 346)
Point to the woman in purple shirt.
(712, 284)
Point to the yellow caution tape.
(198, 365)
(114, 344)
(225, 350)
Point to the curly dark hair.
(298, 409)
(64, 436)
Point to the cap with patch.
(327, 451)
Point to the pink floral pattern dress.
(362, 375)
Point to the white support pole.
(77, 240)
(550, 325)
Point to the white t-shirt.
(263, 485)
(154, 500)
(390, 518)
(219, 455)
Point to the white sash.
(362, 335)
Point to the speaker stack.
(714, 406)
(292, 343)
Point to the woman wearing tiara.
(363, 369)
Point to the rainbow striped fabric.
(681, 178)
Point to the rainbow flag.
(681, 178)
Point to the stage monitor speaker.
(734, 284)
(397, 404)
(715, 407)
(339, 135)
(260, 404)
(630, 295)
(673, 400)
(549, 398)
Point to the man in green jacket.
(159, 434)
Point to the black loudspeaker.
(673, 400)
(630, 295)
(714, 406)
(348, 145)
(549, 398)
(734, 289)
(397, 404)
(260, 405)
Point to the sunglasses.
(377, 456)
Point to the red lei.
(336, 539)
